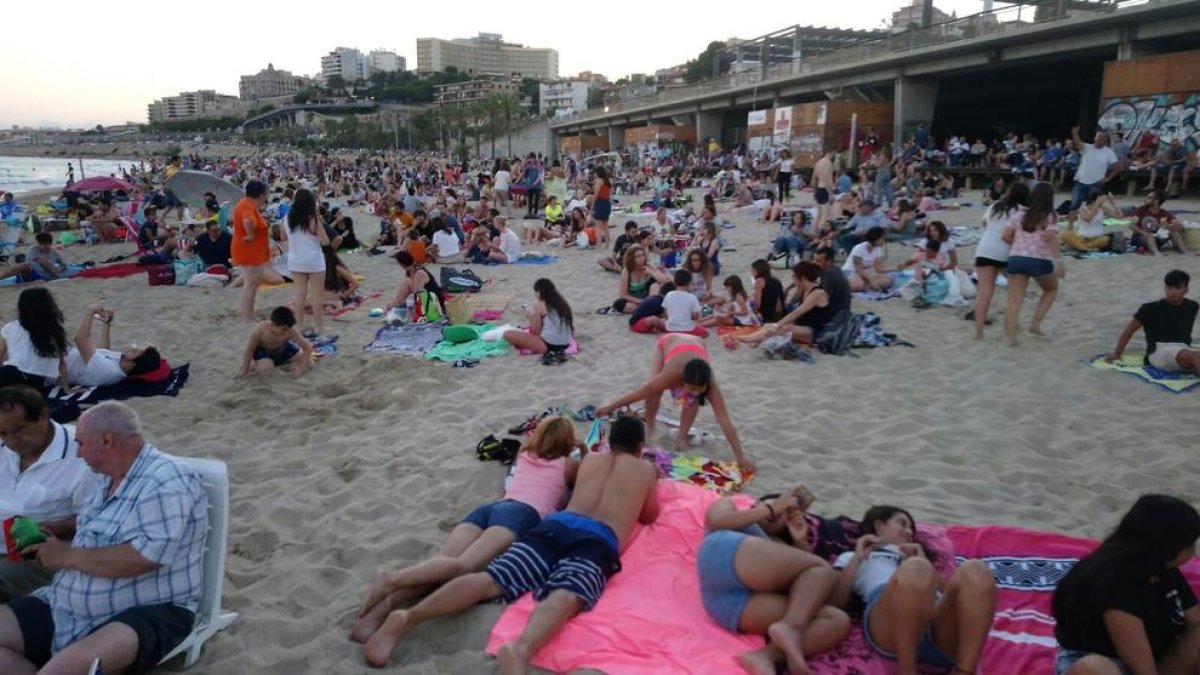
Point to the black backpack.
(492, 449)
(460, 281)
(839, 335)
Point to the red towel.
(113, 271)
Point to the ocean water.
(20, 175)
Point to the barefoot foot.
(787, 638)
(513, 659)
(378, 649)
(757, 662)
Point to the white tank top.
(304, 252)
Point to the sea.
(21, 175)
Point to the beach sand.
(368, 461)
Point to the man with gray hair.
(126, 589)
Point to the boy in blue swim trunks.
(565, 561)
(276, 343)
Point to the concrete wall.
(535, 137)
(915, 101)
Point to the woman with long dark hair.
(602, 204)
(1126, 609)
(33, 347)
(768, 292)
(1035, 254)
(306, 236)
(911, 615)
(991, 256)
(551, 323)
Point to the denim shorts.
(721, 591)
(517, 517)
(928, 652)
(1080, 192)
(1065, 658)
(1030, 267)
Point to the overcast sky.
(75, 63)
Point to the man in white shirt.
(1098, 164)
(507, 247)
(96, 364)
(445, 242)
(41, 477)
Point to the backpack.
(839, 335)
(499, 450)
(464, 281)
(427, 308)
(1117, 242)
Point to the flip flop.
(466, 363)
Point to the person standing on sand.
(823, 183)
(1033, 235)
(251, 247)
(681, 365)
(565, 561)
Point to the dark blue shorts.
(159, 628)
(1030, 267)
(517, 517)
(601, 209)
(284, 354)
(567, 552)
(928, 653)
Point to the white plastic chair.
(209, 618)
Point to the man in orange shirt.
(251, 246)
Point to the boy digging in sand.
(565, 561)
(277, 342)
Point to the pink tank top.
(540, 483)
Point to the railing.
(1009, 19)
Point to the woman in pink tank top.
(544, 470)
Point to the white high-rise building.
(486, 54)
(384, 61)
(268, 84)
(189, 104)
(568, 95)
(349, 64)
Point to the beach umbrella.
(100, 184)
(189, 187)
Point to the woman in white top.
(306, 263)
(551, 324)
(991, 255)
(864, 266)
(1088, 234)
(935, 252)
(34, 346)
(783, 175)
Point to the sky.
(65, 63)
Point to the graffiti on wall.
(1168, 116)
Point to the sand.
(368, 461)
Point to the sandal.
(466, 363)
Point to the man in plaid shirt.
(126, 589)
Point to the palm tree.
(478, 116)
(508, 109)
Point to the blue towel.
(537, 260)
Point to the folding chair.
(210, 619)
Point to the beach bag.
(426, 308)
(966, 287)
(839, 335)
(582, 241)
(185, 270)
(160, 275)
(1117, 242)
(464, 281)
(937, 287)
(492, 449)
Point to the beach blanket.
(113, 271)
(466, 351)
(71, 271)
(1095, 255)
(532, 258)
(1131, 364)
(721, 477)
(878, 296)
(407, 340)
(325, 346)
(871, 334)
(128, 388)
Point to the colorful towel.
(1131, 364)
(720, 477)
(649, 619)
(537, 259)
(485, 315)
(113, 271)
(473, 350)
(128, 388)
(407, 340)
(325, 346)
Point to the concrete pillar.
(708, 125)
(1129, 48)
(914, 103)
(616, 137)
(797, 51)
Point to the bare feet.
(979, 334)
(1036, 330)
(757, 662)
(1014, 342)
(513, 659)
(787, 638)
(378, 649)
(371, 620)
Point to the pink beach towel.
(650, 619)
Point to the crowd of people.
(117, 574)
